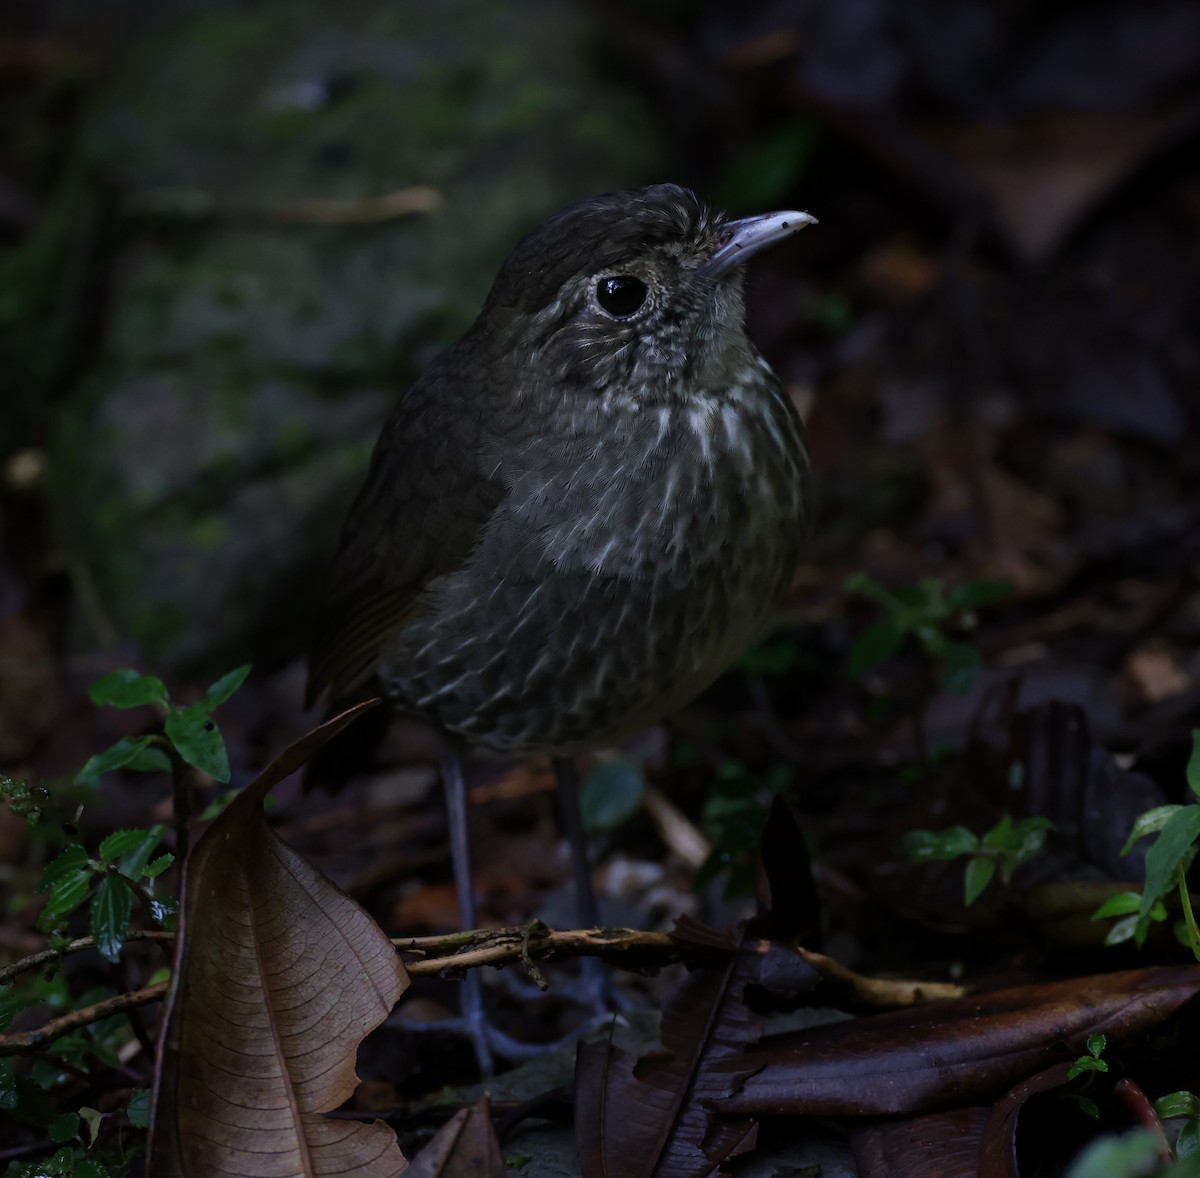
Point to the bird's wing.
(418, 516)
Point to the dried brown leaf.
(464, 1147)
(1045, 173)
(278, 977)
(998, 1158)
(938, 1145)
(953, 1052)
(655, 1115)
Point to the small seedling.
(188, 732)
(1167, 864)
(734, 814)
(1186, 1105)
(123, 871)
(1003, 848)
(1093, 1061)
(929, 613)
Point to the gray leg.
(595, 974)
(460, 857)
(572, 820)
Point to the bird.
(582, 512)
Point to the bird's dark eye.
(621, 294)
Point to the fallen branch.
(47, 955)
(453, 953)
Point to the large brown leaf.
(938, 1145)
(655, 1115)
(278, 977)
(464, 1147)
(951, 1053)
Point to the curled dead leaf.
(278, 977)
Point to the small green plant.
(930, 613)
(1088, 1066)
(1003, 848)
(1132, 1155)
(123, 871)
(734, 814)
(1184, 1105)
(1167, 863)
(28, 1095)
(1093, 1061)
(189, 732)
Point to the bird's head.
(633, 296)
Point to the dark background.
(211, 292)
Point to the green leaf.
(135, 849)
(138, 1109)
(67, 879)
(881, 641)
(1002, 836)
(1132, 1154)
(224, 687)
(860, 585)
(63, 866)
(111, 909)
(64, 1128)
(960, 665)
(89, 1168)
(165, 911)
(127, 689)
(1122, 904)
(1177, 1104)
(770, 658)
(977, 593)
(1151, 822)
(978, 875)
(151, 758)
(1172, 844)
(767, 168)
(33, 1103)
(122, 841)
(610, 793)
(1193, 766)
(1187, 1144)
(1096, 1045)
(1086, 1063)
(924, 846)
(1122, 930)
(198, 742)
(92, 1119)
(156, 867)
(127, 751)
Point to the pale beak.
(752, 235)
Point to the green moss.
(208, 533)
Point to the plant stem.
(1189, 916)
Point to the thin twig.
(19, 1042)
(628, 948)
(181, 804)
(45, 955)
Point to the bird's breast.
(671, 490)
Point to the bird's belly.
(578, 660)
(607, 596)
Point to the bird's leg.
(474, 1019)
(596, 976)
(601, 994)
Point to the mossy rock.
(247, 365)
